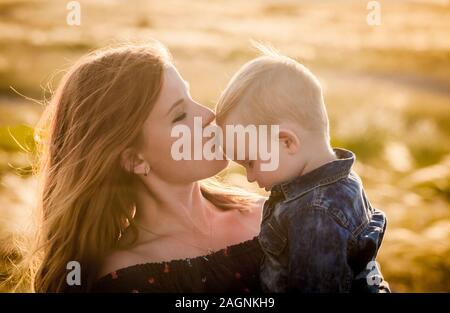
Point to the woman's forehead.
(172, 79)
(172, 89)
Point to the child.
(319, 232)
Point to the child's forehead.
(240, 143)
(234, 117)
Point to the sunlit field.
(387, 89)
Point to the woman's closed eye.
(180, 117)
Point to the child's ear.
(289, 140)
(133, 162)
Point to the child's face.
(264, 179)
(280, 162)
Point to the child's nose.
(250, 177)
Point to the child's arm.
(318, 253)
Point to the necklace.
(208, 250)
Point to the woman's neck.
(166, 208)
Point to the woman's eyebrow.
(178, 102)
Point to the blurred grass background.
(387, 89)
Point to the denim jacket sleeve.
(318, 255)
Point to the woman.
(113, 198)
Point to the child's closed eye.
(249, 164)
(246, 164)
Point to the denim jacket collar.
(326, 174)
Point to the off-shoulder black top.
(233, 269)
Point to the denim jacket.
(319, 233)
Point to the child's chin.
(266, 188)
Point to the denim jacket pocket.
(271, 240)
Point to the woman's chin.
(221, 164)
(212, 167)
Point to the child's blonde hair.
(274, 88)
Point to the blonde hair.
(86, 198)
(273, 88)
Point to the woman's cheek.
(158, 152)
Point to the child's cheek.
(264, 178)
(272, 178)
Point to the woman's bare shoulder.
(148, 251)
(121, 258)
(118, 259)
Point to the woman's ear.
(133, 162)
(289, 140)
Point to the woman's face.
(176, 107)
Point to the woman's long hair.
(86, 199)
